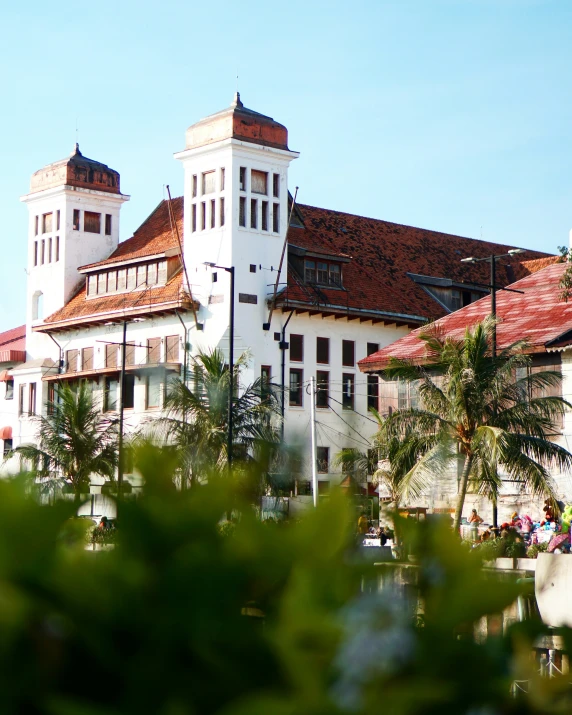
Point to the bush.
(535, 549)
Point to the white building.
(348, 285)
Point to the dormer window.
(139, 277)
(322, 273)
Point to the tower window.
(57, 248)
(265, 215)
(57, 220)
(43, 255)
(76, 219)
(91, 222)
(259, 181)
(47, 223)
(213, 213)
(37, 222)
(35, 253)
(253, 213)
(37, 305)
(276, 218)
(194, 186)
(222, 211)
(242, 212)
(194, 218)
(222, 177)
(203, 215)
(242, 178)
(276, 185)
(209, 182)
(108, 224)
(49, 250)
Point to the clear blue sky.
(453, 115)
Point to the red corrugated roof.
(382, 254)
(537, 315)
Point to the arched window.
(38, 305)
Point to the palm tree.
(197, 416)
(74, 440)
(473, 406)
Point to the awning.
(5, 375)
(6, 433)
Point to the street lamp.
(493, 260)
(230, 358)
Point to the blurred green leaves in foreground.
(189, 616)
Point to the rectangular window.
(265, 378)
(253, 213)
(110, 394)
(372, 392)
(101, 283)
(195, 186)
(92, 285)
(259, 181)
(154, 350)
(91, 222)
(130, 353)
(203, 215)
(322, 273)
(209, 182)
(322, 388)
(37, 223)
(296, 348)
(310, 271)
(335, 275)
(153, 390)
(32, 399)
(111, 356)
(265, 215)
(295, 391)
(222, 211)
(9, 395)
(323, 459)
(276, 218)
(47, 223)
(129, 391)
(213, 213)
(71, 360)
(87, 359)
(323, 351)
(43, 253)
(242, 212)
(348, 353)
(49, 250)
(348, 383)
(193, 218)
(122, 279)
(57, 248)
(35, 253)
(162, 272)
(276, 185)
(108, 224)
(242, 178)
(7, 447)
(131, 275)
(372, 348)
(112, 281)
(76, 219)
(172, 348)
(21, 400)
(222, 179)
(141, 276)
(57, 220)
(152, 275)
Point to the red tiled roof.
(537, 315)
(152, 237)
(383, 253)
(14, 339)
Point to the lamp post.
(230, 357)
(493, 261)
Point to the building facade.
(315, 290)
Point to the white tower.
(73, 209)
(236, 214)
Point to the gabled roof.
(383, 253)
(537, 315)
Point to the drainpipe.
(185, 348)
(61, 352)
(283, 345)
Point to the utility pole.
(313, 435)
(121, 404)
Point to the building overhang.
(110, 265)
(302, 252)
(339, 312)
(71, 191)
(114, 370)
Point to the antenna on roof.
(175, 231)
(266, 326)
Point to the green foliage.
(473, 407)
(535, 549)
(185, 616)
(565, 284)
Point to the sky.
(452, 115)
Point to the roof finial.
(237, 102)
(76, 151)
